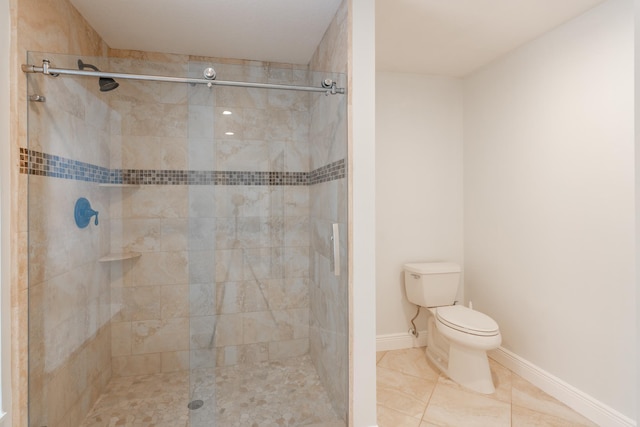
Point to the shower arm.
(328, 86)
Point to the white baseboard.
(577, 400)
(589, 407)
(400, 341)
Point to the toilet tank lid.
(432, 267)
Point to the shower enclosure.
(208, 283)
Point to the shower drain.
(195, 404)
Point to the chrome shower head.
(106, 83)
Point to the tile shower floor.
(413, 394)
(277, 393)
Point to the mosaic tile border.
(42, 164)
(330, 172)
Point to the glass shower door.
(204, 291)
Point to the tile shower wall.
(69, 330)
(150, 306)
(224, 273)
(50, 26)
(261, 231)
(329, 294)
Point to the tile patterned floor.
(277, 393)
(411, 393)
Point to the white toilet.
(458, 343)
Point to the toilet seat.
(466, 320)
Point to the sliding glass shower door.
(206, 289)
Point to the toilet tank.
(431, 284)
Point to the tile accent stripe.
(37, 163)
(335, 170)
(43, 164)
(189, 177)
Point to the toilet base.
(466, 366)
(470, 368)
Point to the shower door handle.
(335, 238)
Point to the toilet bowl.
(469, 334)
(458, 337)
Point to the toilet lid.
(467, 320)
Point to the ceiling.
(268, 30)
(442, 37)
(456, 37)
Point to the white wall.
(362, 211)
(549, 202)
(637, 164)
(418, 185)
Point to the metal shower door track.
(328, 86)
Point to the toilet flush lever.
(415, 276)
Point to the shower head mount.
(106, 83)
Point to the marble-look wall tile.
(228, 265)
(202, 201)
(203, 358)
(150, 119)
(174, 301)
(259, 327)
(202, 332)
(202, 299)
(61, 22)
(275, 325)
(201, 154)
(296, 156)
(174, 226)
(296, 261)
(249, 155)
(296, 200)
(328, 334)
(285, 349)
(174, 234)
(200, 122)
(247, 201)
(202, 233)
(120, 338)
(157, 336)
(265, 263)
(138, 364)
(287, 293)
(156, 201)
(254, 296)
(296, 231)
(229, 297)
(136, 235)
(155, 92)
(135, 303)
(69, 288)
(152, 152)
(158, 268)
(228, 330)
(241, 97)
(174, 361)
(331, 54)
(241, 354)
(202, 267)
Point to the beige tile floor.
(412, 393)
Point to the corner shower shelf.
(119, 257)
(119, 185)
